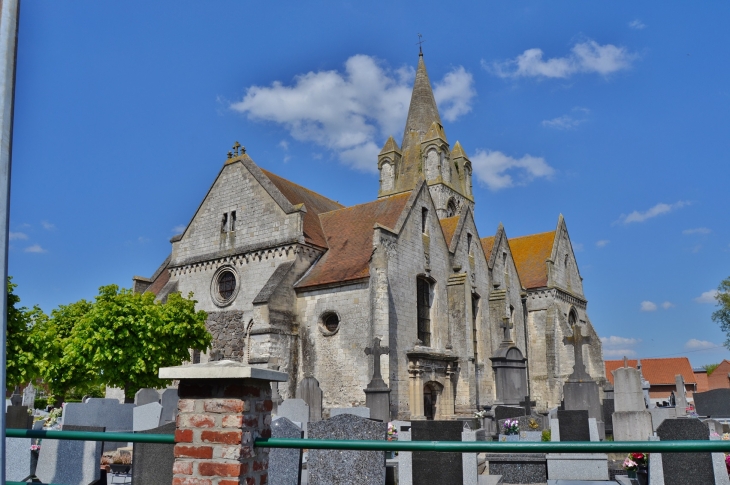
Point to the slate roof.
(160, 277)
(315, 203)
(530, 254)
(487, 245)
(349, 237)
(448, 226)
(659, 372)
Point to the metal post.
(9, 15)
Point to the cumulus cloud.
(352, 112)
(657, 210)
(615, 346)
(614, 341)
(667, 305)
(694, 344)
(619, 353)
(499, 171)
(637, 24)
(17, 236)
(35, 248)
(648, 306)
(707, 297)
(569, 121)
(48, 226)
(602, 243)
(698, 230)
(585, 57)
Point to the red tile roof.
(448, 226)
(487, 245)
(657, 371)
(349, 234)
(315, 203)
(530, 254)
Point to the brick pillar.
(224, 406)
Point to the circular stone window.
(224, 286)
(329, 323)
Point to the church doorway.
(431, 393)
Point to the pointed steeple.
(422, 111)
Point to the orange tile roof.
(448, 226)
(530, 253)
(701, 378)
(659, 372)
(314, 202)
(349, 234)
(487, 245)
(719, 377)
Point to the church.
(295, 281)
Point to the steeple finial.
(420, 45)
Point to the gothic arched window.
(451, 208)
(423, 302)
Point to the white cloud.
(351, 113)
(657, 210)
(35, 248)
(613, 341)
(284, 145)
(565, 122)
(614, 346)
(694, 344)
(16, 236)
(179, 229)
(698, 230)
(648, 306)
(500, 171)
(48, 226)
(584, 57)
(707, 297)
(667, 305)
(602, 243)
(637, 24)
(619, 353)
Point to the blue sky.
(615, 114)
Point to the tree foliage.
(21, 344)
(721, 316)
(710, 368)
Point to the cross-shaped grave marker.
(577, 340)
(527, 404)
(376, 351)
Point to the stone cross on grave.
(507, 329)
(376, 351)
(527, 404)
(577, 340)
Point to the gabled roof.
(701, 378)
(718, 379)
(160, 278)
(659, 372)
(349, 237)
(448, 226)
(487, 245)
(530, 254)
(315, 204)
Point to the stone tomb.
(576, 426)
(146, 416)
(518, 467)
(436, 467)
(285, 465)
(349, 467)
(715, 403)
(70, 462)
(363, 412)
(153, 461)
(631, 420)
(106, 413)
(686, 468)
(17, 458)
(16, 415)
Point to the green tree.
(710, 368)
(21, 343)
(126, 337)
(721, 316)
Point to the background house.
(661, 375)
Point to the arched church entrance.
(431, 394)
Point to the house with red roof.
(661, 375)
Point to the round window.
(224, 286)
(329, 323)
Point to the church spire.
(422, 111)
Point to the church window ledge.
(329, 323)
(224, 285)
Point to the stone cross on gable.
(236, 146)
(527, 404)
(376, 351)
(577, 340)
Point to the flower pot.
(631, 473)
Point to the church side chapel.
(295, 281)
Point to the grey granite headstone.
(436, 467)
(507, 412)
(17, 458)
(518, 467)
(574, 426)
(17, 417)
(29, 394)
(153, 461)
(715, 403)
(70, 462)
(349, 467)
(363, 412)
(169, 399)
(108, 413)
(146, 395)
(296, 410)
(405, 458)
(469, 460)
(608, 409)
(310, 392)
(686, 468)
(146, 416)
(285, 465)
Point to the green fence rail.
(90, 436)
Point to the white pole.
(9, 10)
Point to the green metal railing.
(90, 436)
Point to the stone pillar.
(446, 404)
(416, 392)
(224, 406)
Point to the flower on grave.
(714, 435)
(630, 464)
(727, 463)
(392, 432)
(480, 414)
(35, 447)
(641, 459)
(726, 436)
(511, 426)
(533, 424)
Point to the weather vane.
(420, 46)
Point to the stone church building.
(296, 281)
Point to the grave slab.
(714, 403)
(574, 426)
(295, 410)
(153, 461)
(17, 458)
(70, 462)
(363, 412)
(101, 412)
(686, 468)
(146, 416)
(433, 467)
(577, 466)
(518, 467)
(508, 412)
(285, 465)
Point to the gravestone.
(153, 461)
(356, 411)
(631, 421)
(347, 466)
(681, 395)
(405, 458)
(169, 399)
(377, 393)
(469, 460)
(285, 465)
(310, 392)
(100, 412)
(29, 394)
(146, 416)
(686, 468)
(715, 403)
(146, 395)
(16, 415)
(17, 458)
(295, 410)
(573, 426)
(436, 467)
(507, 412)
(70, 462)
(510, 372)
(518, 467)
(608, 408)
